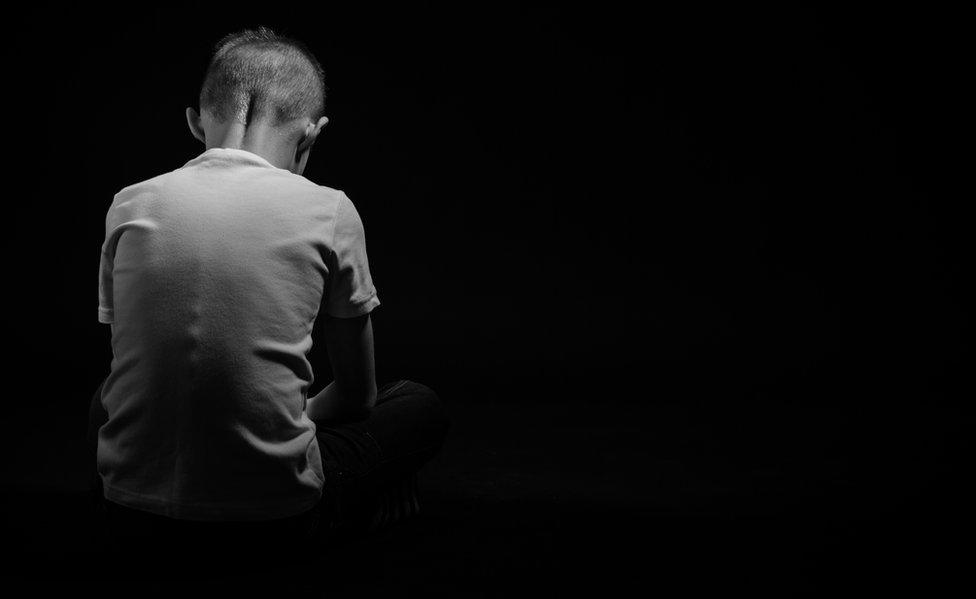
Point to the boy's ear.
(196, 126)
(312, 131)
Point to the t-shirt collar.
(235, 155)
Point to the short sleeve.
(106, 307)
(350, 290)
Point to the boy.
(211, 278)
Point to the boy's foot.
(374, 512)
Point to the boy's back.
(212, 276)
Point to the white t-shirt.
(212, 276)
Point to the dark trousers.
(407, 426)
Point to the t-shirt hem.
(351, 311)
(208, 512)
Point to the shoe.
(394, 504)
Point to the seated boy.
(212, 276)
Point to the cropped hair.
(257, 74)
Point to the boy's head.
(259, 81)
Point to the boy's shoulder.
(283, 179)
(145, 184)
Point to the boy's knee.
(437, 411)
(414, 387)
(407, 388)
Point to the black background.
(750, 213)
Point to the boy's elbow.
(370, 396)
(357, 407)
(361, 398)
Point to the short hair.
(257, 73)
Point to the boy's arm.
(352, 393)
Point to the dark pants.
(407, 427)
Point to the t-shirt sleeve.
(350, 291)
(106, 307)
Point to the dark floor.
(643, 498)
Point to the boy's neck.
(259, 138)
